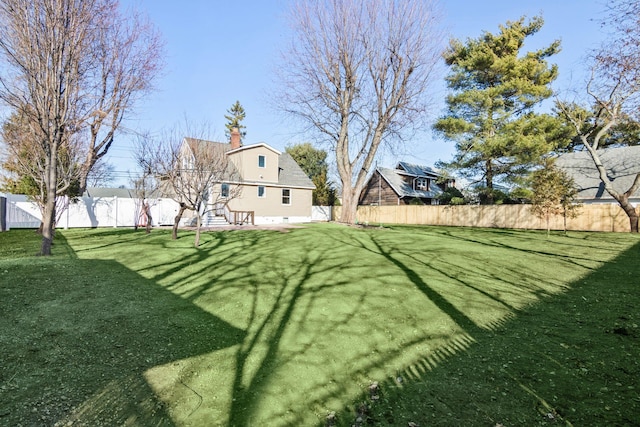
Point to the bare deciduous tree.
(195, 172)
(128, 58)
(145, 181)
(614, 90)
(71, 65)
(24, 163)
(358, 75)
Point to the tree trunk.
(622, 199)
(196, 243)
(176, 221)
(349, 206)
(633, 223)
(631, 213)
(548, 225)
(49, 212)
(147, 211)
(489, 175)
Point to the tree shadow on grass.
(571, 359)
(76, 337)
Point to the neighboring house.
(622, 165)
(259, 179)
(404, 184)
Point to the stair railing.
(235, 217)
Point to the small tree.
(24, 163)
(235, 115)
(145, 181)
(195, 172)
(451, 196)
(553, 193)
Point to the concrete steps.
(211, 220)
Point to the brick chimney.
(235, 139)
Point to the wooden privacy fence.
(596, 217)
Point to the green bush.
(447, 196)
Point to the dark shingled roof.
(622, 165)
(123, 193)
(291, 174)
(403, 189)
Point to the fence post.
(3, 213)
(115, 211)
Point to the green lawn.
(455, 326)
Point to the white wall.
(321, 213)
(90, 212)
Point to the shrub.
(447, 196)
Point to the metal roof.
(418, 170)
(622, 164)
(395, 178)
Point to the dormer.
(421, 184)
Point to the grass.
(319, 326)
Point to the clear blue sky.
(219, 52)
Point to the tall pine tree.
(235, 115)
(490, 110)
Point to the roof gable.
(253, 146)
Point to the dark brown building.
(404, 184)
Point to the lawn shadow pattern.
(320, 316)
(78, 336)
(571, 359)
(324, 312)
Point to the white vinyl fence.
(89, 212)
(321, 213)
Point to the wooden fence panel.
(591, 217)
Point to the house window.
(261, 191)
(187, 162)
(224, 190)
(422, 184)
(286, 196)
(261, 161)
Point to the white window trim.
(283, 203)
(264, 163)
(426, 184)
(264, 192)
